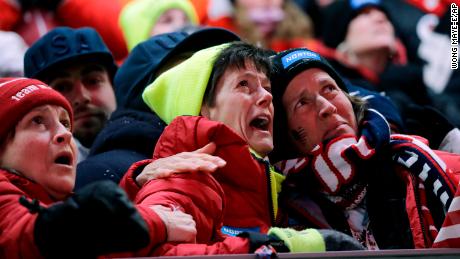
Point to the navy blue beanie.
(339, 14)
(285, 66)
(63, 45)
(289, 63)
(148, 57)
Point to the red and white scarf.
(338, 163)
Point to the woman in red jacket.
(39, 215)
(229, 86)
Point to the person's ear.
(204, 111)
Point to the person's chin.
(262, 146)
(64, 189)
(339, 131)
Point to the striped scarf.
(339, 164)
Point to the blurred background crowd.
(400, 49)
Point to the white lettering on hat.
(292, 57)
(27, 90)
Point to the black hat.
(148, 57)
(286, 65)
(339, 14)
(289, 63)
(62, 45)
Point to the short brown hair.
(236, 56)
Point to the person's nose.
(378, 15)
(63, 135)
(264, 97)
(81, 95)
(325, 107)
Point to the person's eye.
(330, 90)
(243, 83)
(300, 103)
(66, 124)
(63, 87)
(268, 89)
(38, 120)
(93, 81)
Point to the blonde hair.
(295, 24)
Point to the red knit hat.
(19, 95)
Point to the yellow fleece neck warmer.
(180, 90)
(138, 17)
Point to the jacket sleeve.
(197, 194)
(230, 245)
(99, 14)
(194, 194)
(128, 182)
(452, 164)
(155, 224)
(17, 224)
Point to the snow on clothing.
(17, 224)
(241, 196)
(129, 136)
(389, 192)
(133, 129)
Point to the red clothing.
(245, 180)
(17, 224)
(453, 164)
(449, 235)
(102, 15)
(9, 16)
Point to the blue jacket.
(133, 129)
(129, 136)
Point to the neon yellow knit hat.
(180, 90)
(138, 17)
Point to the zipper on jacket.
(419, 209)
(269, 189)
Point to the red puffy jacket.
(250, 188)
(17, 224)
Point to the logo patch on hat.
(292, 57)
(355, 4)
(234, 231)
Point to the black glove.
(427, 122)
(308, 240)
(99, 219)
(338, 241)
(257, 240)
